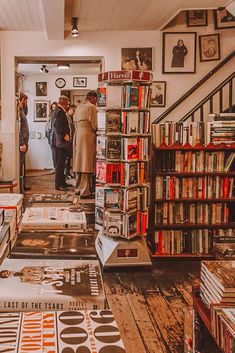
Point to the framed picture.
(179, 52)
(209, 47)
(224, 19)
(158, 94)
(79, 82)
(137, 59)
(41, 110)
(196, 18)
(41, 88)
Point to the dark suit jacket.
(60, 128)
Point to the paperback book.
(81, 331)
(108, 197)
(50, 284)
(108, 172)
(109, 121)
(54, 245)
(61, 199)
(45, 218)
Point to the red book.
(226, 187)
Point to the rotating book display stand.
(122, 168)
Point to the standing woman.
(179, 52)
(84, 144)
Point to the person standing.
(23, 138)
(179, 52)
(84, 145)
(69, 155)
(48, 134)
(60, 140)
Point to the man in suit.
(61, 141)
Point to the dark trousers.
(67, 165)
(53, 153)
(60, 154)
(22, 171)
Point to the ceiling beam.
(54, 18)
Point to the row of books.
(116, 122)
(223, 328)
(192, 213)
(119, 224)
(125, 148)
(175, 242)
(206, 187)
(125, 199)
(193, 133)
(124, 96)
(197, 161)
(122, 173)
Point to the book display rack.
(122, 168)
(193, 194)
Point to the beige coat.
(84, 141)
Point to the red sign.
(125, 75)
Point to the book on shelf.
(131, 96)
(224, 249)
(144, 122)
(61, 199)
(4, 238)
(108, 147)
(108, 172)
(61, 331)
(109, 121)
(108, 197)
(48, 218)
(113, 223)
(40, 244)
(130, 122)
(50, 284)
(223, 326)
(99, 218)
(110, 96)
(130, 225)
(129, 174)
(130, 199)
(129, 148)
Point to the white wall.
(106, 44)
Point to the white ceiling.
(54, 16)
(75, 69)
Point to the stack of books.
(5, 242)
(12, 201)
(223, 326)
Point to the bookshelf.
(192, 190)
(122, 167)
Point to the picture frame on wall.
(209, 47)
(137, 59)
(196, 18)
(223, 19)
(41, 89)
(158, 94)
(179, 52)
(79, 82)
(41, 110)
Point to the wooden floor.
(150, 305)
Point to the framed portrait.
(79, 82)
(41, 110)
(209, 47)
(196, 18)
(158, 94)
(137, 59)
(223, 19)
(41, 89)
(179, 52)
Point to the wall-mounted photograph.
(158, 94)
(209, 47)
(41, 88)
(137, 59)
(224, 19)
(79, 82)
(196, 18)
(179, 52)
(41, 110)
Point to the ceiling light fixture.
(63, 66)
(74, 27)
(44, 69)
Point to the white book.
(53, 218)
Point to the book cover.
(50, 284)
(99, 218)
(108, 198)
(82, 331)
(130, 122)
(130, 225)
(113, 223)
(54, 245)
(52, 198)
(129, 174)
(4, 238)
(14, 200)
(101, 96)
(113, 147)
(113, 121)
(43, 218)
(129, 148)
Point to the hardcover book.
(108, 147)
(43, 218)
(50, 284)
(130, 122)
(51, 198)
(113, 223)
(109, 121)
(108, 172)
(54, 245)
(82, 331)
(108, 198)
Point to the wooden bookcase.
(192, 198)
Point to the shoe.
(84, 197)
(69, 176)
(66, 185)
(61, 188)
(52, 172)
(27, 188)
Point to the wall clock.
(60, 82)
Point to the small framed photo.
(224, 19)
(209, 47)
(41, 110)
(79, 82)
(179, 52)
(41, 89)
(196, 18)
(137, 59)
(158, 94)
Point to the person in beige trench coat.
(84, 144)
